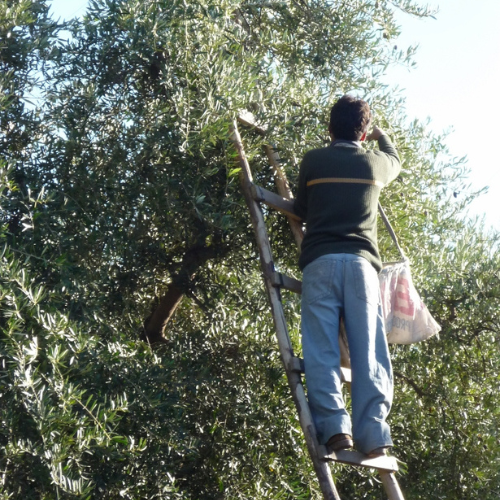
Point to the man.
(337, 197)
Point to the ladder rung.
(283, 281)
(274, 200)
(355, 458)
(297, 365)
(345, 375)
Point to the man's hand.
(375, 134)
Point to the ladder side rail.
(284, 190)
(391, 485)
(321, 467)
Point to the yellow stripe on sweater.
(345, 180)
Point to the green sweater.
(337, 197)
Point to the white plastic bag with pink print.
(407, 319)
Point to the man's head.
(349, 119)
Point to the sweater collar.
(345, 144)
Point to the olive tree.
(120, 197)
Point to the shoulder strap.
(391, 231)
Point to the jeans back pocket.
(366, 282)
(317, 280)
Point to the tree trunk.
(194, 258)
(155, 325)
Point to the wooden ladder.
(274, 281)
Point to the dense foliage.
(122, 219)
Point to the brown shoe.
(339, 442)
(378, 452)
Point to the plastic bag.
(407, 319)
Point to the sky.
(67, 9)
(454, 84)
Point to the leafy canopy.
(118, 181)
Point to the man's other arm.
(385, 145)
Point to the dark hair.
(349, 118)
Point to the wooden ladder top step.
(247, 118)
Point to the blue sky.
(66, 9)
(455, 84)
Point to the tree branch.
(411, 383)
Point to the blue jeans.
(346, 285)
